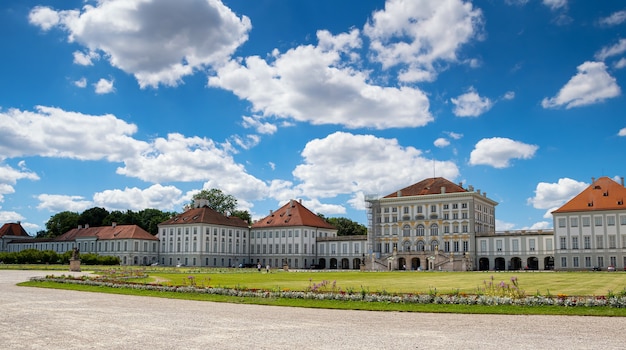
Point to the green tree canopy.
(61, 223)
(216, 200)
(243, 214)
(345, 226)
(93, 217)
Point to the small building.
(203, 237)
(515, 250)
(10, 232)
(590, 229)
(292, 236)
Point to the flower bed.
(612, 300)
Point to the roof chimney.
(461, 184)
(622, 178)
(86, 225)
(114, 224)
(593, 179)
(79, 227)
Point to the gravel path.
(34, 318)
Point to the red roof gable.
(428, 186)
(108, 232)
(293, 214)
(205, 215)
(13, 229)
(602, 194)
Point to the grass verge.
(347, 305)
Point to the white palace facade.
(431, 225)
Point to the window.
(612, 242)
(465, 246)
(483, 246)
(499, 245)
(419, 210)
(446, 246)
(600, 261)
(561, 222)
(455, 206)
(613, 261)
(515, 245)
(434, 230)
(456, 246)
(586, 221)
(406, 210)
(573, 222)
(531, 245)
(575, 242)
(563, 261)
(622, 219)
(599, 242)
(406, 231)
(562, 242)
(575, 261)
(420, 230)
(587, 261)
(610, 220)
(433, 208)
(445, 207)
(587, 242)
(356, 248)
(597, 220)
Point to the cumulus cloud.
(255, 122)
(470, 104)
(614, 19)
(159, 42)
(592, 84)
(10, 216)
(418, 34)
(554, 195)
(613, 50)
(155, 196)
(441, 142)
(509, 95)
(314, 84)
(622, 132)
(85, 59)
(53, 132)
(104, 86)
(342, 163)
(81, 83)
(620, 64)
(57, 203)
(498, 152)
(9, 177)
(555, 4)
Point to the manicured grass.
(348, 305)
(544, 283)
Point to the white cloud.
(620, 64)
(509, 95)
(554, 195)
(591, 85)
(9, 177)
(159, 42)
(44, 17)
(260, 127)
(81, 83)
(313, 84)
(555, 4)
(57, 203)
(53, 132)
(613, 50)
(316, 206)
(417, 34)
(104, 86)
(470, 104)
(247, 142)
(343, 163)
(614, 19)
(504, 226)
(10, 216)
(498, 152)
(441, 142)
(156, 196)
(85, 59)
(541, 225)
(622, 132)
(454, 135)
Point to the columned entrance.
(516, 264)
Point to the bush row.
(34, 256)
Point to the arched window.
(406, 246)
(434, 230)
(406, 231)
(420, 246)
(434, 245)
(420, 230)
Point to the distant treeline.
(34, 256)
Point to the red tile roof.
(293, 214)
(205, 215)
(602, 194)
(108, 232)
(428, 186)
(13, 229)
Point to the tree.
(93, 217)
(61, 223)
(217, 200)
(347, 227)
(149, 219)
(243, 214)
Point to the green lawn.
(544, 283)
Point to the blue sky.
(129, 104)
